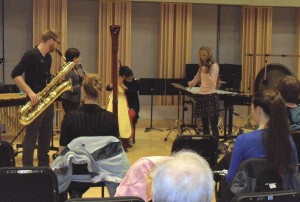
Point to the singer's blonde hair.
(209, 54)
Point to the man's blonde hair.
(50, 34)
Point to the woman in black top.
(90, 119)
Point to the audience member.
(89, 120)
(185, 177)
(138, 180)
(272, 139)
(289, 89)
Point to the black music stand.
(172, 90)
(152, 86)
(178, 124)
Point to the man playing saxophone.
(36, 65)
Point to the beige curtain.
(256, 39)
(174, 43)
(113, 13)
(297, 68)
(50, 14)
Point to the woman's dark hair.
(289, 88)
(277, 138)
(72, 53)
(125, 71)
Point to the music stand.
(179, 124)
(231, 74)
(152, 86)
(172, 90)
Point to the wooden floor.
(150, 143)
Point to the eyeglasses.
(58, 42)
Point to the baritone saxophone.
(48, 95)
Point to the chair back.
(277, 196)
(255, 175)
(111, 199)
(204, 145)
(28, 184)
(253, 166)
(296, 138)
(7, 156)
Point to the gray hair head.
(186, 177)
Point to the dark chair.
(105, 151)
(253, 176)
(296, 138)
(205, 145)
(79, 169)
(277, 196)
(112, 199)
(258, 177)
(7, 156)
(28, 184)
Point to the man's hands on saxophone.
(33, 98)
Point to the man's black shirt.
(36, 68)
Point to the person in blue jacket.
(272, 140)
(289, 89)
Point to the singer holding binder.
(207, 105)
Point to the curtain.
(297, 68)
(50, 14)
(256, 39)
(174, 43)
(113, 13)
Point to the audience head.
(126, 72)
(72, 55)
(276, 139)
(263, 101)
(270, 105)
(185, 177)
(289, 89)
(91, 87)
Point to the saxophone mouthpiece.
(60, 54)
